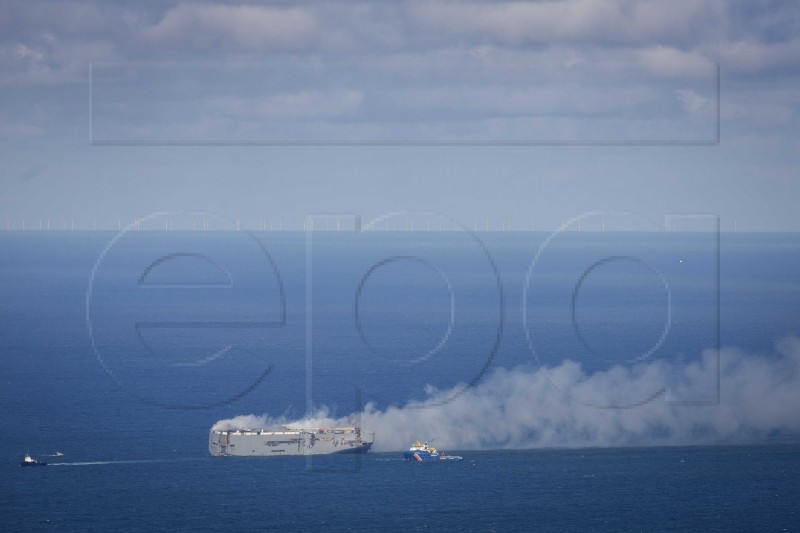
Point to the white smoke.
(524, 408)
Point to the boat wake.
(125, 462)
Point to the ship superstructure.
(30, 461)
(289, 441)
(421, 452)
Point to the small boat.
(30, 461)
(59, 454)
(422, 452)
(445, 457)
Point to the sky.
(511, 114)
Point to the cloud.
(221, 27)
(54, 42)
(651, 32)
(671, 62)
(746, 56)
(606, 21)
(82, 19)
(524, 408)
(305, 104)
(51, 62)
(695, 103)
(543, 97)
(21, 62)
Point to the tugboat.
(422, 452)
(30, 461)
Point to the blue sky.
(243, 110)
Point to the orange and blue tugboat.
(422, 452)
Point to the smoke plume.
(536, 407)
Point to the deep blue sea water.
(750, 488)
(125, 354)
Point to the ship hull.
(420, 455)
(274, 443)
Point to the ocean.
(576, 374)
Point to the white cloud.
(52, 60)
(695, 103)
(577, 20)
(21, 63)
(220, 27)
(24, 53)
(652, 33)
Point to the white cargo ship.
(288, 441)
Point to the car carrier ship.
(288, 441)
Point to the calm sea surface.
(678, 489)
(122, 354)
